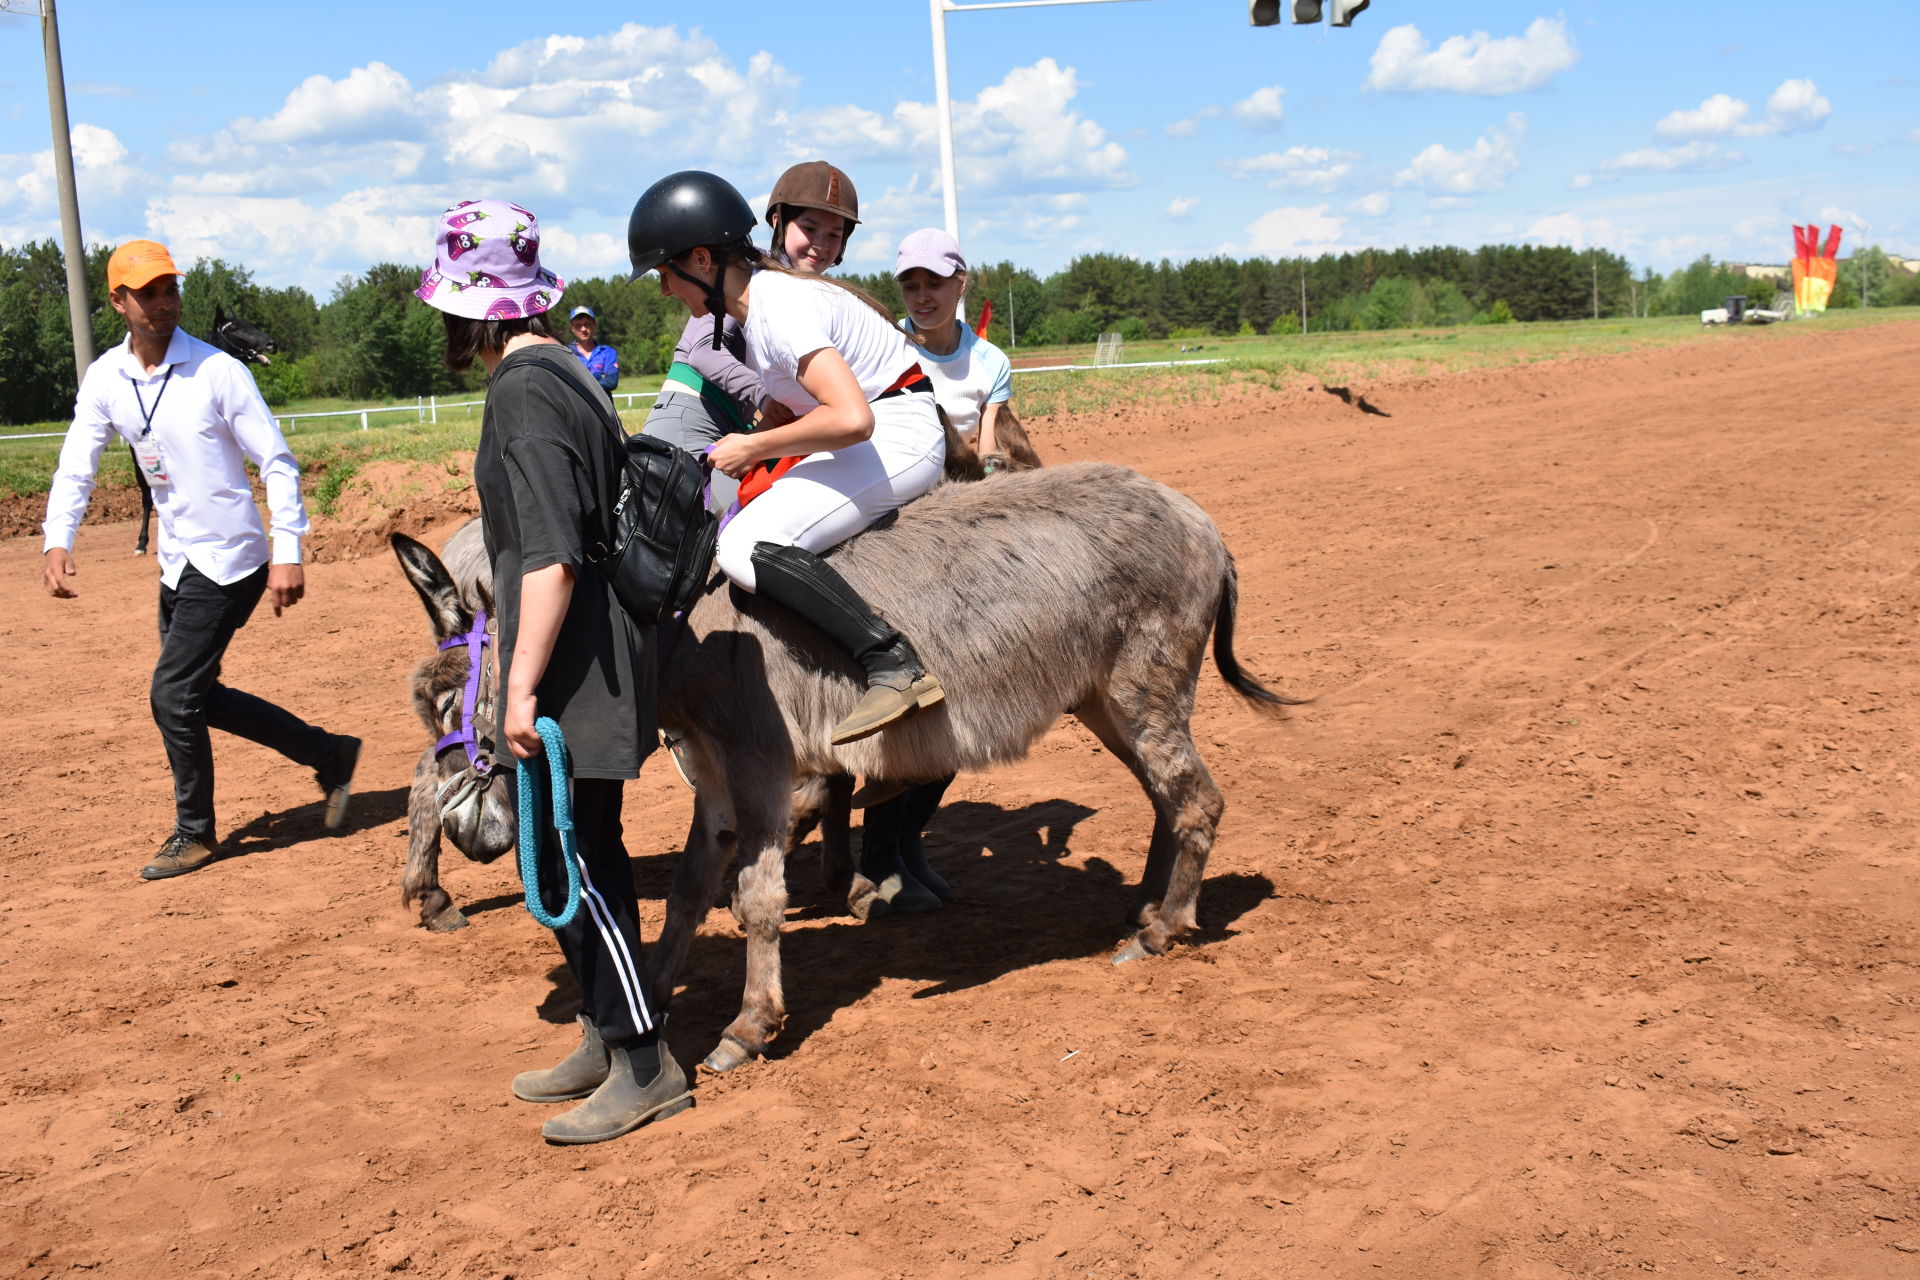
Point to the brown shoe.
(336, 780)
(888, 699)
(180, 854)
(623, 1102)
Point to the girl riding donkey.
(867, 437)
(709, 390)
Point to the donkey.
(244, 343)
(1085, 589)
(456, 788)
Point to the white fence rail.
(427, 408)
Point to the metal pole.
(1013, 337)
(943, 99)
(943, 109)
(1594, 262)
(78, 308)
(1303, 295)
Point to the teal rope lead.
(532, 786)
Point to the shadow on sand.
(305, 822)
(1019, 901)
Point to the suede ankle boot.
(643, 1083)
(580, 1074)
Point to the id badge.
(146, 451)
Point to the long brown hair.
(754, 258)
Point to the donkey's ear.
(484, 590)
(430, 579)
(219, 315)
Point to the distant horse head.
(241, 340)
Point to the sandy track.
(1570, 931)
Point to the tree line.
(372, 340)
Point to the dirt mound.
(1569, 931)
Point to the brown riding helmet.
(814, 184)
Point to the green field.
(331, 450)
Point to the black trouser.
(890, 826)
(197, 620)
(602, 944)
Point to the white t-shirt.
(789, 317)
(967, 379)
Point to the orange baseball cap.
(138, 263)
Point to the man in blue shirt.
(601, 361)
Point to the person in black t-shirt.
(546, 469)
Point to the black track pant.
(197, 620)
(602, 944)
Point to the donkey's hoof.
(1132, 949)
(727, 1055)
(447, 921)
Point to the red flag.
(1833, 241)
(986, 317)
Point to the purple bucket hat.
(488, 264)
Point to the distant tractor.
(1738, 310)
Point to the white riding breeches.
(831, 496)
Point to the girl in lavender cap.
(548, 464)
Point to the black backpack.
(659, 541)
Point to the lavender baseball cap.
(488, 264)
(930, 249)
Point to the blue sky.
(308, 141)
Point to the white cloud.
(1181, 208)
(1473, 64)
(1293, 230)
(1189, 126)
(1581, 181)
(1376, 205)
(1795, 107)
(1298, 168)
(1692, 157)
(103, 172)
(372, 101)
(1482, 168)
(573, 127)
(1575, 231)
(1846, 218)
(1263, 109)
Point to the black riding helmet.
(683, 211)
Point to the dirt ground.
(1570, 931)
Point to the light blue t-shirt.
(967, 379)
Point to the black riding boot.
(897, 683)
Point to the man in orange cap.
(194, 418)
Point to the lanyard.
(145, 412)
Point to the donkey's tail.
(1230, 670)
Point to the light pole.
(77, 306)
(944, 100)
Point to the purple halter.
(476, 642)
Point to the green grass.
(332, 450)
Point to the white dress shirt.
(209, 421)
